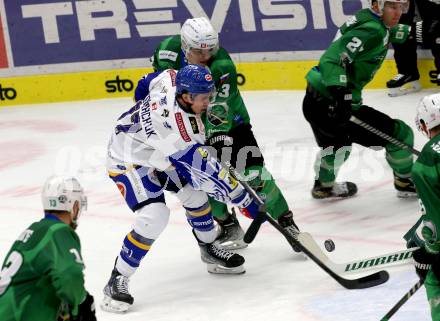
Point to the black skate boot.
(116, 296)
(286, 222)
(218, 260)
(231, 237)
(403, 84)
(404, 186)
(344, 189)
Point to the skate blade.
(218, 269)
(233, 245)
(409, 87)
(402, 194)
(114, 306)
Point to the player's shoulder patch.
(224, 78)
(181, 126)
(194, 126)
(168, 55)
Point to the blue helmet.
(194, 79)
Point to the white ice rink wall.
(60, 50)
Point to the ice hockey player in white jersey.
(157, 145)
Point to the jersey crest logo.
(217, 114)
(194, 126)
(182, 128)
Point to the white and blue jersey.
(143, 87)
(155, 128)
(156, 145)
(158, 135)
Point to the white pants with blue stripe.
(143, 190)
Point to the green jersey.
(426, 176)
(42, 271)
(228, 109)
(356, 54)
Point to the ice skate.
(404, 186)
(403, 84)
(344, 189)
(231, 237)
(287, 223)
(218, 260)
(117, 299)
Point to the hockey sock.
(134, 248)
(202, 222)
(400, 160)
(328, 162)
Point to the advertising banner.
(3, 57)
(100, 48)
(43, 32)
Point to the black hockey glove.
(423, 262)
(340, 107)
(436, 266)
(220, 140)
(86, 310)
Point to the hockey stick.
(358, 283)
(402, 301)
(357, 266)
(383, 135)
(256, 224)
(253, 228)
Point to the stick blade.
(365, 282)
(253, 229)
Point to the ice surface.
(172, 283)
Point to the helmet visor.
(398, 4)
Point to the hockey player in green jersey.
(227, 123)
(42, 275)
(426, 176)
(334, 94)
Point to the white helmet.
(428, 111)
(381, 3)
(61, 192)
(198, 33)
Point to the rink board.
(282, 75)
(79, 50)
